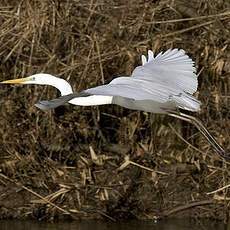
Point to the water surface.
(173, 224)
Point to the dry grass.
(73, 161)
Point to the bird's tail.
(187, 102)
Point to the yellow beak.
(16, 81)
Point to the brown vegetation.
(107, 161)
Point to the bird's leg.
(219, 149)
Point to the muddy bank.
(110, 162)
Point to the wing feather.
(172, 67)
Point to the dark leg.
(203, 130)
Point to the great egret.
(163, 84)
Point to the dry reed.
(107, 161)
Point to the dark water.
(131, 225)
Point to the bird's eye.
(33, 78)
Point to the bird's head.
(43, 79)
(39, 79)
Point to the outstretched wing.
(173, 68)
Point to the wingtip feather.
(42, 105)
(143, 59)
(150, 55)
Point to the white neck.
(46, 79)
(63, 86)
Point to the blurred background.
(107, 161)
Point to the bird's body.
(139, 94)
(162, 84)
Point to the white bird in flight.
(163, 84)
